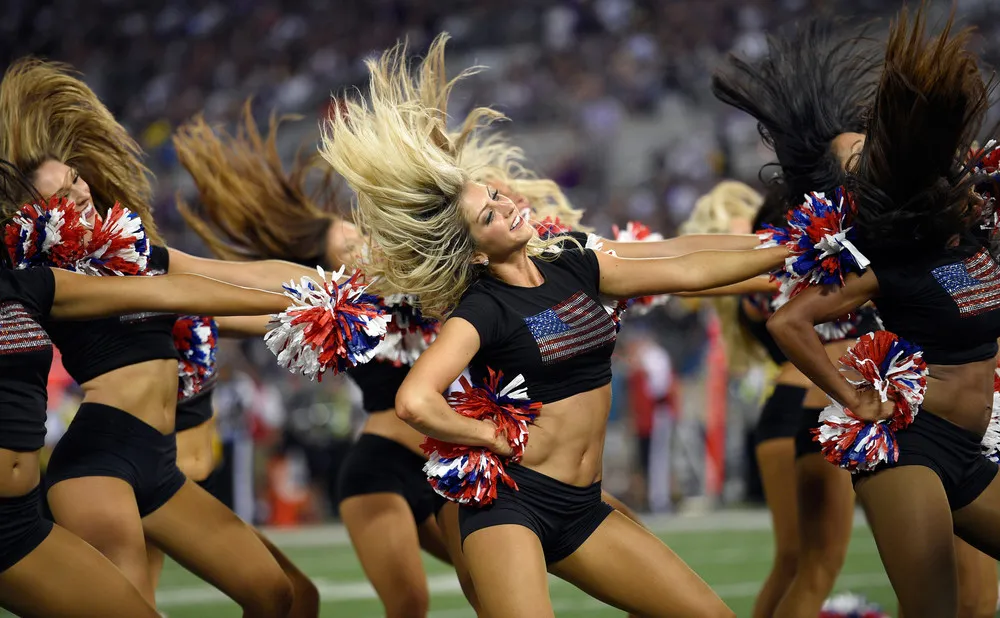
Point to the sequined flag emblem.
(574, 326)
(19, 332)
(974, 284)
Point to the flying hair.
(47, 112)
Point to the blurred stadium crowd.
(609, 97)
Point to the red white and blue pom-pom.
(330, 326)
(635, 232)
(991, 439)
(849, 605)
(408, 331)
(46, 236)
(896, 369)
(118, 246)
(56, 236)
(820, 239)
(642, 305)
(471, 475)
(550, 227)
(195, 338)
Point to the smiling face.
(495, 223)
(53, 178)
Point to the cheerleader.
(250, 209)
(45, 570)
(931, 279)
(195, 339)
(463, 249)
(808, 94)
(113, 478)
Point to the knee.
(410, 603)
(975, 604)
(306, 596)
(271, 596)
(786, 561)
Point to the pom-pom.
(896, 370)
(118, 245)
(195, 337)
(820, 241)
(329, 326)
(470, 475)
(848, 605)
(408, 332)
(642, 305)
(634, 232)
(57, 236)
(549, 227)
(991, 439)
(46, 236)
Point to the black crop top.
(92, 348)
(25, 356)
(379, 382)
(557, 334)
(948, 305)
(758, 328)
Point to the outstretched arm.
(694, 272)
(264, 274)
(754, 285)
(242, 326)
(792, 328)
(681, 245)
(420, 403)
(81, 297)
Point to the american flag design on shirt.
(974, 284)
(19, 332)
(574, 326)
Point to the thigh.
(66, 577)
(432, 539)
(102, 511)
(508, 570)
(209, 540)
(386, 540)
(977, 581)
(826, 508)
(624, 565)
(776, 460)
(978, 523)
(447, 519)
(908, 512)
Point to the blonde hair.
(49, 113)
(249, 207)
(713, 213)
(493, 157)
(392, 148)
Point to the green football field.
(730, 550)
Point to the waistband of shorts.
(107, 419)
(943, 429)
(530, 480)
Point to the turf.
(732, 552)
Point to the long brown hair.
(47, 112)
(911, 189)
(249, 207)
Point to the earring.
(486, 262)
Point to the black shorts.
(22, 527)
(805, 441)
(375, 465)
(953, 453)
(194, 412)
(781, 415)
(562, 516)
(105, 441)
